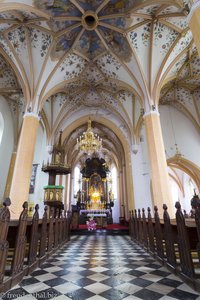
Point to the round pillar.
(19, 191)
(159, 173)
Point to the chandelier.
(89, 141)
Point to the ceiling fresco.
(183, 92)
(99, 55)
(90, 42)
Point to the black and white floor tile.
(99, 267)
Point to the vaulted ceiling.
(63, 58)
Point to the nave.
(99, 266)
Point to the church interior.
(99, 149)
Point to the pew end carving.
(27, 243)
(174, 242)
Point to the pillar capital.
(195, 6)
(151, 112)
(32, 114)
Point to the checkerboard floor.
(99, 267)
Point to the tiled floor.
(98, 267)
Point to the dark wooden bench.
(174, 242)
(25, 244)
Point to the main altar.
(95, 196)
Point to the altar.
(94, 197)
(102, 217)
(95, 212)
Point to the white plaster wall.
(177, 128)
(116, 211)
(7, 144)
(178, 195)
(189, 193)
(141, 175)
(40, 155)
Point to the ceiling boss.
(89, 27)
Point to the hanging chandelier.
(89, 141)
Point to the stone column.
(159, 173)
(87, 192)
(122, 194)
(194, 23)
(71, 191)
(125, 193)
(10, 175)
(23, 165)
(66, 192)
(107, 198)
(120, 197)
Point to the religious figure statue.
(91, 225)
(58, 158)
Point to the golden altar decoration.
(89, 141)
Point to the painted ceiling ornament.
(83, 26)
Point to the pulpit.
(53, 194)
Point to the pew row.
(26, 243)
(173, 242)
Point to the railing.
(174, 242)
(27, 243)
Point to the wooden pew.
(151, 232)
(145, 231)
(50, 232)
(43, 238)
(175, 242)
(197, 220)
(68, 222)
(169, 241)
(140, 228)
(34, 237)
(28, 242)
(17, 267)
(56, 229)
(158, 236)
(4, 223)
(136, 226)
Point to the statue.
(91, 225)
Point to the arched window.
(1, 127)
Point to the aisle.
(98, 267)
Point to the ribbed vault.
(63, 58)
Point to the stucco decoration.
(85, 30)
(96, 53)
(16, 103)
(184, 92)
(92, 74)
(156, 35)
(7, 76)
